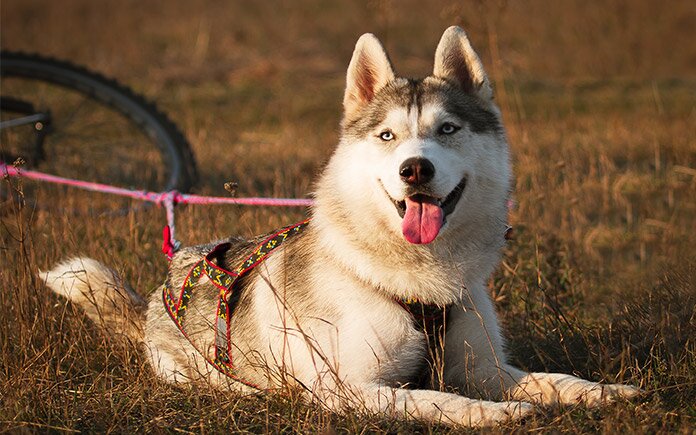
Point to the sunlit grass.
(598, 281)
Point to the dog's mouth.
(447, 205)
(424, 215)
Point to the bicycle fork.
(40, 121)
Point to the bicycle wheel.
(92, 128)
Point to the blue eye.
(448, 128)
(386, 135)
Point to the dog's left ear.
(456, 61)
(368, 72)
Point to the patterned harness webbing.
(224, 280)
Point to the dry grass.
(599, 281)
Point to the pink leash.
(168, 200)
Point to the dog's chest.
(418, 360)
(382, 340)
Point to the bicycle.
(63, 119)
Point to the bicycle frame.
(40, 121)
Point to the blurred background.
(198, 41)
(599, 102)
(598, 98)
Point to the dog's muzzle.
(423, 214)
(448, 204)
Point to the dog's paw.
(552, 389)
(604, 393)
(491, 413)
(518, 410)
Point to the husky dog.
(411, 206)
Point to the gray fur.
(414, 93)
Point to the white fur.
(100, 291)
(72, 278)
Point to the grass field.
(600, 107)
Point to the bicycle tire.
(173, 147)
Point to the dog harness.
(224, 280)
(428, 318)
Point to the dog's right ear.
(368, 72)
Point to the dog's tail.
(106, 299)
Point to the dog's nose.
(416, 170)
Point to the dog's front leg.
(426, 405)
(474, 358)
(550, 388)
(475, 363)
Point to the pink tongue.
(422, 221)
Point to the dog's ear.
(456, 61)
(368, 72)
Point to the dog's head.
(426, 155)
